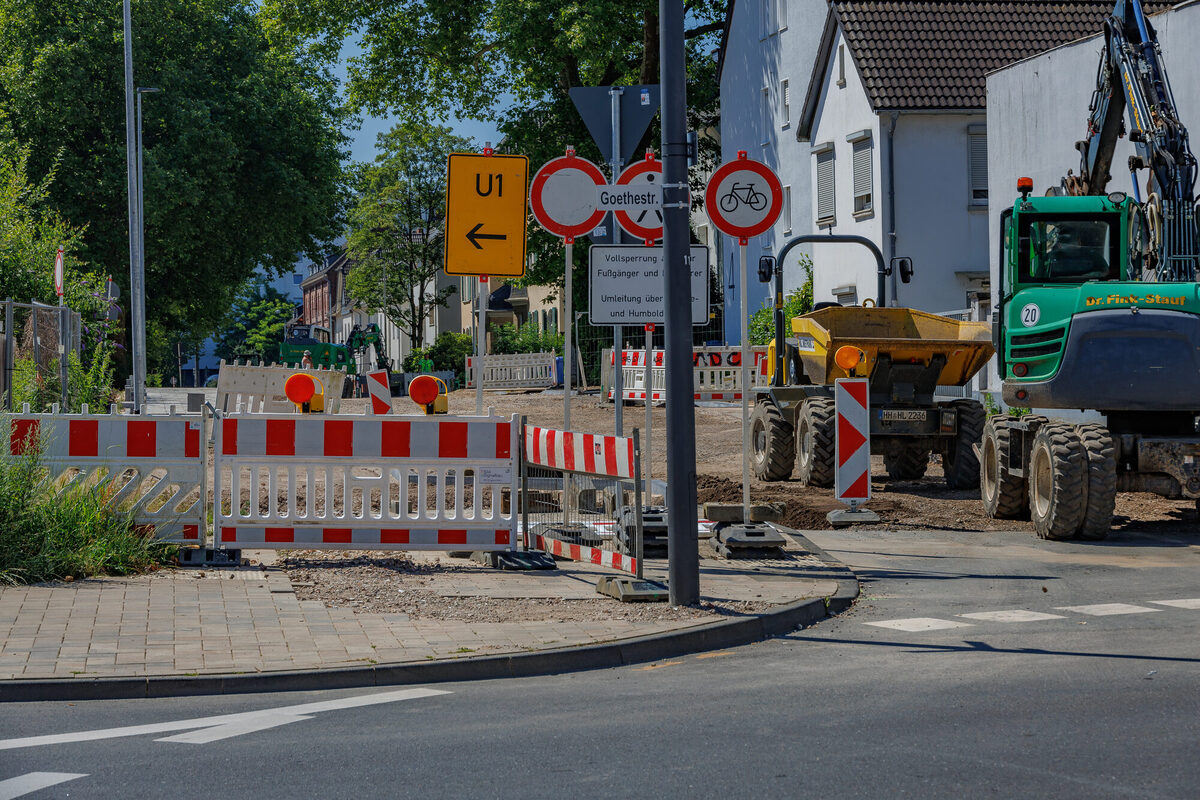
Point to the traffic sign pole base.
(515, 559)
(748, 540)
(631, 590)
(844, 518)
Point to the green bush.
(76, 533)
(448, 352)
(762, 322)
(90, 385)
(526, 338)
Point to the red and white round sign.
(644, 223)
(563, 196)
(743, 197)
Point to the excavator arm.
(1132, 82)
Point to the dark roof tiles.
(915, 54)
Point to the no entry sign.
(743, 197)
(563, 196)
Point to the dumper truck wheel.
(907, 463)
(772, 449)
(814, 442)
(1101, 481)
(960, 463)
(1004, 495)
(1057, 471)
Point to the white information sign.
(625, 285)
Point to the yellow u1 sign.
(485, 214)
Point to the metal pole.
(614, 94)
(136, 322)
(568, 309)
(140, 335)
(639, 546)
(9, 353)
(63, 334)
(480, 337)
(745, 328)
(684, 567)
(649, 405)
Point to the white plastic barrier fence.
(365, 482)
(716, 374)
(149, 466)
(515, 371)
(259, 388)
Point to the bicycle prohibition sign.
(743, 197)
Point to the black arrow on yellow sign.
(474, 235)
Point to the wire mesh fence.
(36, 339)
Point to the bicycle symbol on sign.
(743, 193)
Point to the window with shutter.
(787, 209)
(825, 186)
(785, 102)
(862, 177)
(977, 168)
(782, 14)
(765, 107)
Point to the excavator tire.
(815, 425)
(772, 449)
(1004, 495)
(960, 462)
(907, 463)
(1057, 474)
(1101, 481)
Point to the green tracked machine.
(1099, 310)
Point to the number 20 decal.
(1030, 315)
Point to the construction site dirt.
(918, 504)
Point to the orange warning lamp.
(429, 393)
(1024, 187)
(305, 391)
(848, 357)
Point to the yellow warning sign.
(485, 214)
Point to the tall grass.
(77, 533)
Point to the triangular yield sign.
(639, 104)
(849, 439)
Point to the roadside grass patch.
(75, 533)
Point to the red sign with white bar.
(852, 478)
(58, 272)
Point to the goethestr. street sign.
(743, 197)
(485, 214)
(644, 221)
(626, 284)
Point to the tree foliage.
(242, 149)
(762, 322)
(396, 226)
(256, 324)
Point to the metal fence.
(37, 337)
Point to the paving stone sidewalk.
(250, 621)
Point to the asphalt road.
(973, 666)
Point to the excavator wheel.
(906, 463)
(1101, 481)
(960, 463)
(772, 450)
(1004, 495)
(1057, 473)
(815, 425)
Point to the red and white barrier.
(588, 555)
(716, 374)
(609, 456)
(381, 392)
(852, 476)
(149, 466)
(515, 371)
(364, 482)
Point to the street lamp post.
(139, 299)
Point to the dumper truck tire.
(772, 449)
(907, 463)
(815, 425)
(960, 463)
(1101, 481)
(1057, 471)
(1004, 495)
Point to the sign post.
(743, 199)
(564, 202)
(63, 325)
(485, 228)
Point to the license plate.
(899, 415)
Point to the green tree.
(256, 323)
(395, 226)
(243, 148)
(762, 322)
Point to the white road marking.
(1108, 609)
(34, 781)
(1193, 602)
(225, 725)
(1015, 615)
(919, 624)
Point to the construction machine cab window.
(1067, 249)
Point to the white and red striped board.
(716, 374)
(852, 440)
(366, 482)
(587, 554)
(381, 392)
(163, 453)
(367, 538)
(595, 454)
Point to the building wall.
(1038, 109)
(763, 48)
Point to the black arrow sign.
(474, 235)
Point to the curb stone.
(694, 639)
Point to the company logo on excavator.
(1150, 299)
